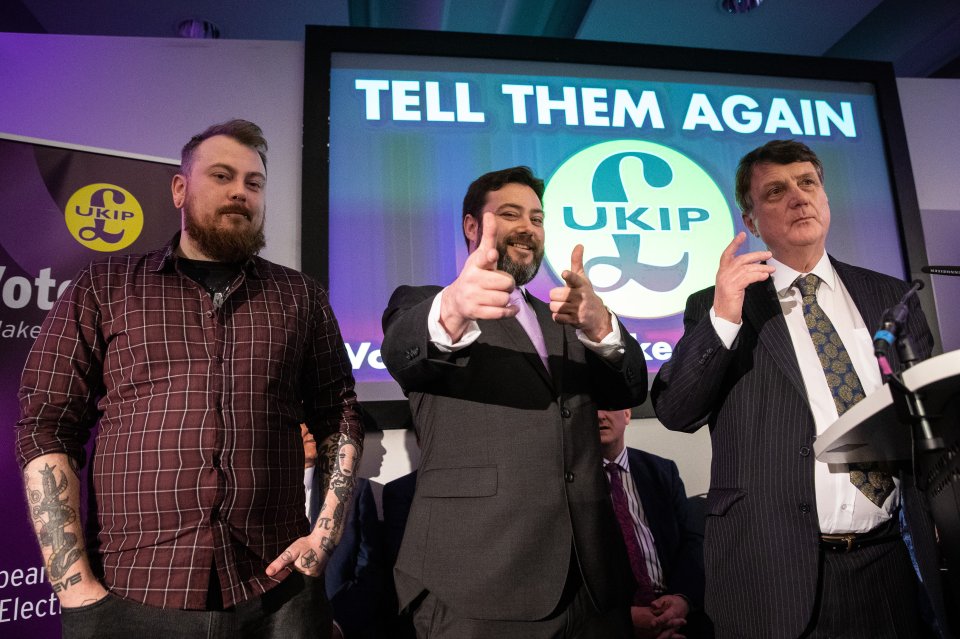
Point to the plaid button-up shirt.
(199, 458)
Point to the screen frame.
(321, 42)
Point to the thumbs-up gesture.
(577, 304)
(480, 291)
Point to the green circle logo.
(652, 223)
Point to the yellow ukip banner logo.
(104, 217)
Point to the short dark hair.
(773, 152)
(243, 131)
(477, 192)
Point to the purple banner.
(62, 208)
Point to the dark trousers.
(296, 609)
(576, 620)
(868, 593)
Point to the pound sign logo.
(104, 217)
(652, 222)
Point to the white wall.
(148, 96)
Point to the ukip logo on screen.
(652, 222)
(104, 217)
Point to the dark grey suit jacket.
(762, 533)
(510, 476)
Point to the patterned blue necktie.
(843, 381)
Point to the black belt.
(847, 542)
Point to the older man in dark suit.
(769, 358)
(510, 527)
(659, 524)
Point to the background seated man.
(665, 540)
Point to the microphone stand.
(909, 405)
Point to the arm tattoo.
(52, 515)
(327, 460)
(327, 546)
(339, 459)
(325, 523)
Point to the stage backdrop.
(63, 206)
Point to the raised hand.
(735, 274)
(577, 304)
(480, 290)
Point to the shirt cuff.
(726, 330)
(439, 336)
(611, 347)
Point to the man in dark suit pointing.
(510, 529)
(770, 357)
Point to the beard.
(521, 273)
(225, 244)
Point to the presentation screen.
(637, 146)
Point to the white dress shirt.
(841, 507)
(640, 526)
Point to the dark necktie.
(638, 563)
(843, 382)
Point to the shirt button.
(804, 451)
(565, 412)
(219, 359)
(209, 313)
(843, 506)
(569, 477)
(804, 508)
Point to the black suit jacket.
(356, 574)
(510, 477)
(679, 544)
(762, 531)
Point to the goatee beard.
(225, 244)
(521, 273)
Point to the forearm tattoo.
(339, 457)
(327, 460)
(52, 515)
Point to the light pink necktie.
(528, 320)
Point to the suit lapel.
(520, 341)
(761, 308)
(865, 295)
(553, 338)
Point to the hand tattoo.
(309, 560)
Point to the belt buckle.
(848, 539)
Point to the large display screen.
(638, 148)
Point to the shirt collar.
(165, 258)
(621, 460)
(784, 276)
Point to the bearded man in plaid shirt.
(198, 362)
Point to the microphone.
(893, 320)
(941, 270)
